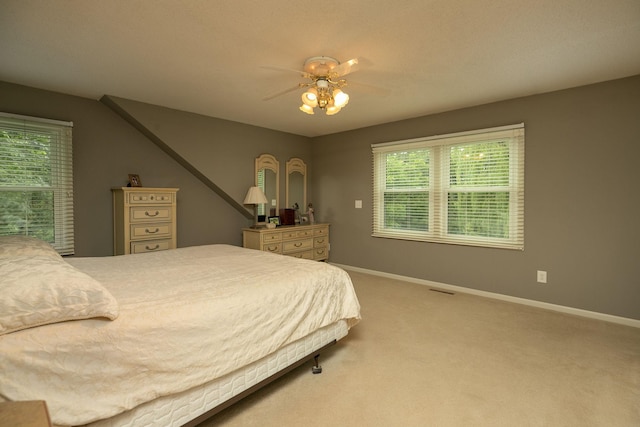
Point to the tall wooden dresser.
(144, 219)
(300, 241)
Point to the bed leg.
(316, 369)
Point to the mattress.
(186, 318)
(179, 409)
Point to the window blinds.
(464, 188)
(36, 180)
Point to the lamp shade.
(255, 196)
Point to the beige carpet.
(423, 358)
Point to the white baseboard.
(559, 308)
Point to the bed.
(159, 339)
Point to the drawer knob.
(152, 215)
(146, 230)
(297, 245)
(152, 249)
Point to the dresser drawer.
(150, 213)
(150, 246)
(297, 245)
(321, 242)
(275, 248)
(296, 234)
(150, 198)
(303, 254)
(271, 237)
(150, 231)
(320, 253)
(321, 231)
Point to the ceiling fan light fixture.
(332, 109)
(324, 100)
(340, 99)
(322, 83)
(310, 97)
(306, 109)
(324, 89)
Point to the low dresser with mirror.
(300, 241)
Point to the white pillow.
(42, 289)
(11, 246)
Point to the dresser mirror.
(268, 179)
(296, 184)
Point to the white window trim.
(62, 180)
(438, 192)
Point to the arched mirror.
(268, 179)
(296, 185)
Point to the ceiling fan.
(324, 88)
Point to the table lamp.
(255, 197)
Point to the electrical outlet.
(542, 276)
(358, 204)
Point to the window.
(36, 180)
(261, 207)
(465, 188)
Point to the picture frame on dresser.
(274, 220)
(134, 180)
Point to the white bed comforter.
(187, 316)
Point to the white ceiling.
(209, 57)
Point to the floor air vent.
(442, 292)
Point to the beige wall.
(581, 200)
(222, 150)
(581, 183)
(107, 149)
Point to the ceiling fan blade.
(378, 90)
(288, 70)
(347, 67)
(275, 95)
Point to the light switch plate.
(541, 276)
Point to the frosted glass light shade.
(340, 99)
(306, 109)
(333, 109)
(310, 98)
